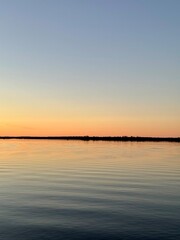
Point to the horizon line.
(99, 138)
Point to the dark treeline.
(96, 138)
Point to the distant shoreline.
(96, 138)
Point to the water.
(73, 190)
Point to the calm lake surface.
(75, 190)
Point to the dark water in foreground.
(71, 190)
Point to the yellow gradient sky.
(90, 68)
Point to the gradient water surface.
(71, 190)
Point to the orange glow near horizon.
(91, 127)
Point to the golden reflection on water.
(59, 154)
(89, 190)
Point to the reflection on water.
(89, 190)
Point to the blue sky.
(99, 60)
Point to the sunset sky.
(90, 67)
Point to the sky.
(90, 67)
